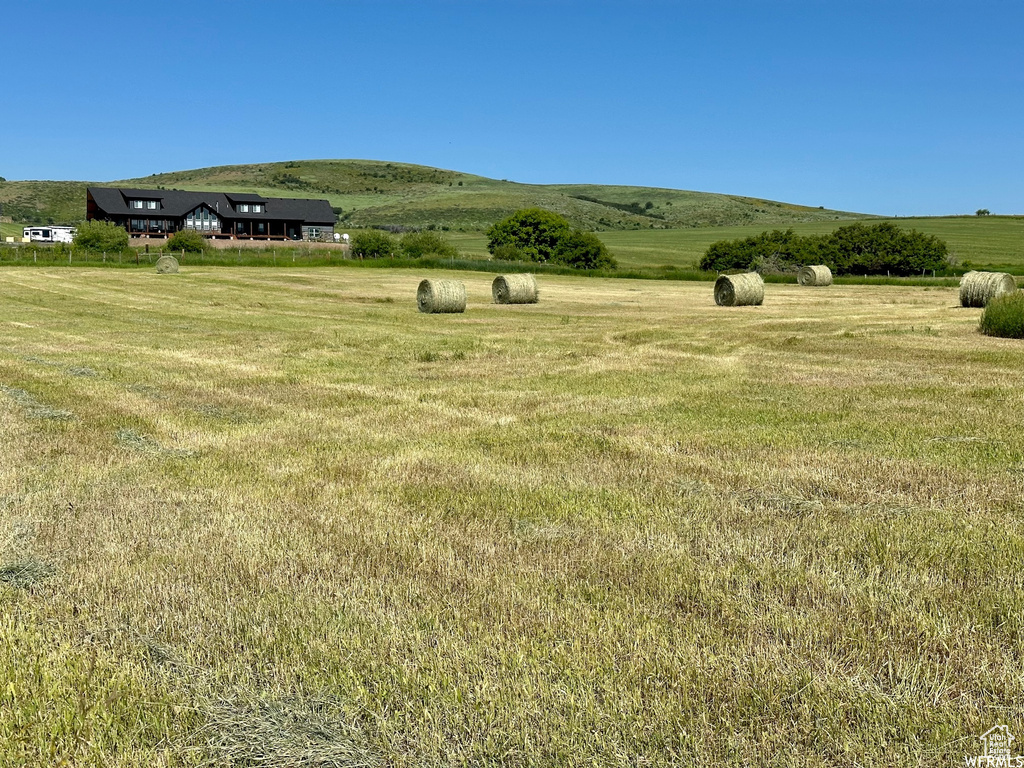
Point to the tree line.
(853, 249)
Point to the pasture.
(989, 242)
(278, 517)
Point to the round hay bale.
(435, 296)
(515, 289)
(979, 288)
(817, 274)
(167, 265)
(739, 290)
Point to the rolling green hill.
(372, 193)
(643, 226)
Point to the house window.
(243, 207)
(137, 204)
(257, 208)
(314, 233)
(151, 205)
(261, 228)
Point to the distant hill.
(374, 193)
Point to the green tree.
(373, 244)
(856, 248)
(583, 250)
(101, 236)
(534, 231)
(414, 245)
(884, 248)
(187, 240)
(982, 212)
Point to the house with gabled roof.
(161, 212)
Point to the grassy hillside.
(379, 193)
(372, 193)
(43, 202)
(249, 516)
(10, 230)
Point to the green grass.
(991, 242)
(380, 193)
(1004, 316)
(10, 230)
(283, 513)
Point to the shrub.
(534, 234)
(508, 253)
(853, 249)
(583, 250)
(534, 231)
(101, 236)
(1004, 316)
(187, 240)
(414, 245)
(373, 244)
(775, 251)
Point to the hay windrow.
(242, 731)
(979, 288)
(515, 289)
(815, 274)
(167, 265)
(739, 290)
(32, 408)
(135, 441)
(438, 296)
(26, 572)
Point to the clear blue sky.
(883, 107)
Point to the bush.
(534, 231)
(583, 250)
(1004, 316)
(778, 251)
(508, 253)
(187, 240)
(534, 234)
(414, 245)
(101, 236)
(373, 244)
(862, 249)
(853, 249)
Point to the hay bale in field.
(167, 265)
(435, 296)
(739, 290)
(979, 288)
(515, 289)
(816, 274)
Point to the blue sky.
(889, 107)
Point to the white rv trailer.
(49, 234)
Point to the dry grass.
(289, 509)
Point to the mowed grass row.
(271, 516)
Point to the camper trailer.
(49, 234)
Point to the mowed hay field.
(270, 517)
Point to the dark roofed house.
(161, 212)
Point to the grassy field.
(10, 230)
(269, 517)
(990, 242)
